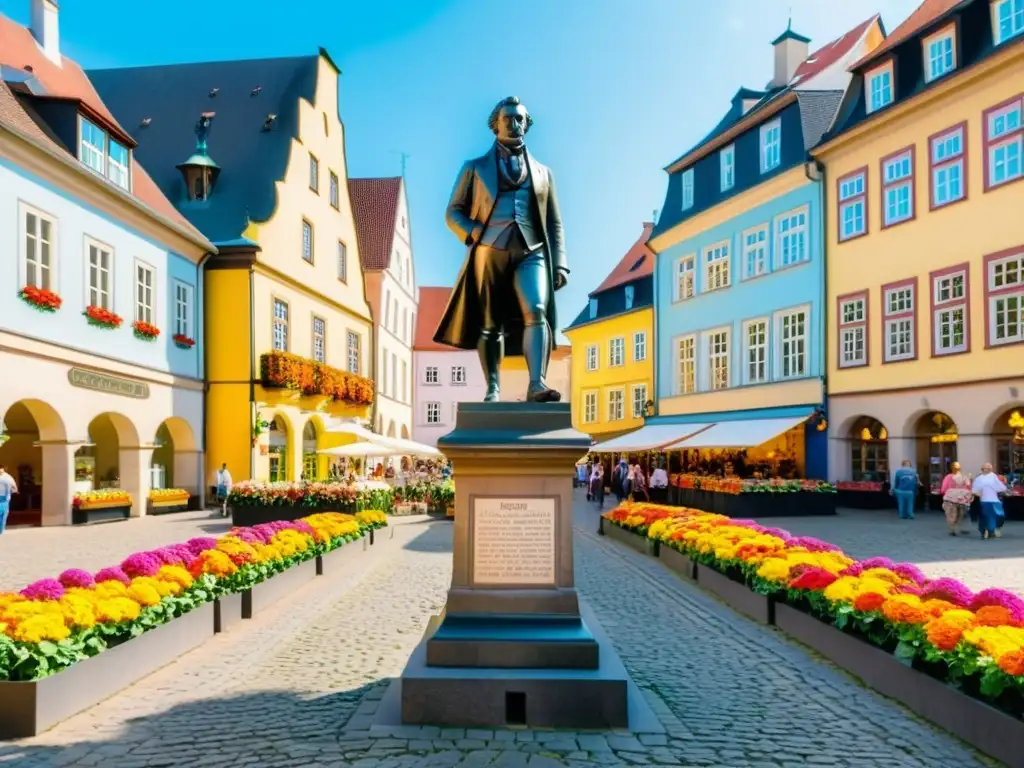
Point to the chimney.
(45, 28)
(790, 51)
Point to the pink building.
(444, 376)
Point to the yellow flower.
(175, 574)
(144, 590)
(79, 611)
(774, 569)
(114, 610)
(35, 629)
(290, 542)
(112, 588)
(996, 641)
(842, 590)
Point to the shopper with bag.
(987, 487)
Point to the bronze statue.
(504, 208)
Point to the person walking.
(659, 484)
(223, 488)
(640, 483)
(7, 488)
(987, 487)
(597, 485)
(905, 483)
(957, 497)
(619, 475)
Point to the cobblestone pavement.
(925, 540)
(297, 686)
(29, 554)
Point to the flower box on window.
(145, 331)
(41, 299)
(183, 341)
(102, 318)
(288, 371)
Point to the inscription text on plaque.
(513, 541)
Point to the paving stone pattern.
(299, 685)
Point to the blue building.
(101, 329)
(739, 277)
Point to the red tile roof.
(826, 56)
(926, 13)
(639, 256)
(18, 49)
(375, 207)
(433, 302)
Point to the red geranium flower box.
(102, 318)
(145, 331)
(183, 341)
(41, 299)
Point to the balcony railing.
(287, 371)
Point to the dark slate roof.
(817, 110)
(174, 96)
(612, 302)
(375, 208)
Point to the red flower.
(814, 579)
(102, 317)
(184, 341)
(41, 299)
(869, 601)
(145, 330)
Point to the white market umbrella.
(398, 446)
(359, 450)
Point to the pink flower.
(141, 564)
(950, 590)
(113, 573)
(199, 545)
(872, 562)
(44, 589)
(1000, 597)
(812, 544)
(76, 577)
(911, 572)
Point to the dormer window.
(727, 162)
(630, 293)
(879, 89)
(593, 308)
(102, 154)
(940, 53)
(687, 181)
(1007, 19)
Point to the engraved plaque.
(514, 541)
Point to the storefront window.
(1009, 440)
(310, 465)
(869, 450)
(937, 436)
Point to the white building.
(385, 250)
(445, 376)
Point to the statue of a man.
(505, 210)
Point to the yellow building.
(612, 354)
(926, 247)
(514, 377)
(287, 325)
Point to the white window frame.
(1005, 142)
(342, 261)
(638, 407)
(590, 405)
(756, 257)
(884, 77)
(898, 175)
(432, 412)
(686, 366)
(629, 293)
(334, 190)
(108, 304)
(853, 196)
(593, 357)
(1008, 291)
(788, 227)
(142, 311)
(893, 320)
(618, 344)
(119, 173)
(320, 355)
(716, 259)
(458, 375)
(88, 153)
(946, 153)
(282, 321)
(939, 54)
(639, 346)
(1011, 12)
(314, 173)
(852, 329)
(353, 352)
(792, 348)
(749, 350)
(432, 375)
(50, 268)
(308, 255)
(943, 315)
(771, 145)
(727, 167)
(184, 296)
(686, 278)
(687, 191)
(617, 405)
(719, 360)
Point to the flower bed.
(253, 503)
(735, 497)
(974, 642)
(41, 299)
(288, 371)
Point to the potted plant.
(41, 299)
(102, 318)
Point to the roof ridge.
(177, 64)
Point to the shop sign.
(111, 385)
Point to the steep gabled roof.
(242, 95)
(638, 262)
(20, 52)
(433, 301)
(927, 13)
(375, 209)
(827, 55)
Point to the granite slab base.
(480, 697)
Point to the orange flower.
(868, 601)
(993, 616)
(903, 612)
(1012, 663)
(943, 634)
(937, 607)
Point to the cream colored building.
(514, 379)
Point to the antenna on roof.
(404, 157)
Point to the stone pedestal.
(512, 647)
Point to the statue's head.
(510, 121)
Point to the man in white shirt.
(7, 487)
(987, 487)
(659, 484)
(223, 488)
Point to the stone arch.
(27, 426)
(869, 448)
(312, 434)
(1005, 448)
(44, 417)
(997, 421)
(405, 431)
(175, 460)
(935, 435)
(280, 445)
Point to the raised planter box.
(28, 709)
(249, 516)
(641, 544)
(166, 509)
(758, 607)
(100, 514)
(268, 592)
(677, 562)
(983, 727)
(335, 560)
(852, 499)
(227, 612)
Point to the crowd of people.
(625, 481)
(958, 494)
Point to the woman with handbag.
(957, 497)
(987, 486)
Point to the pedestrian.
(640, 483)
(597, 485)
(223, 488)
(619, 475)
(905, 483)
(957, 497)
(987, 487)
(659, 484)
(7, 488)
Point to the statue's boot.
(489, 349)
(537, 351)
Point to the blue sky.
(618, 88)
